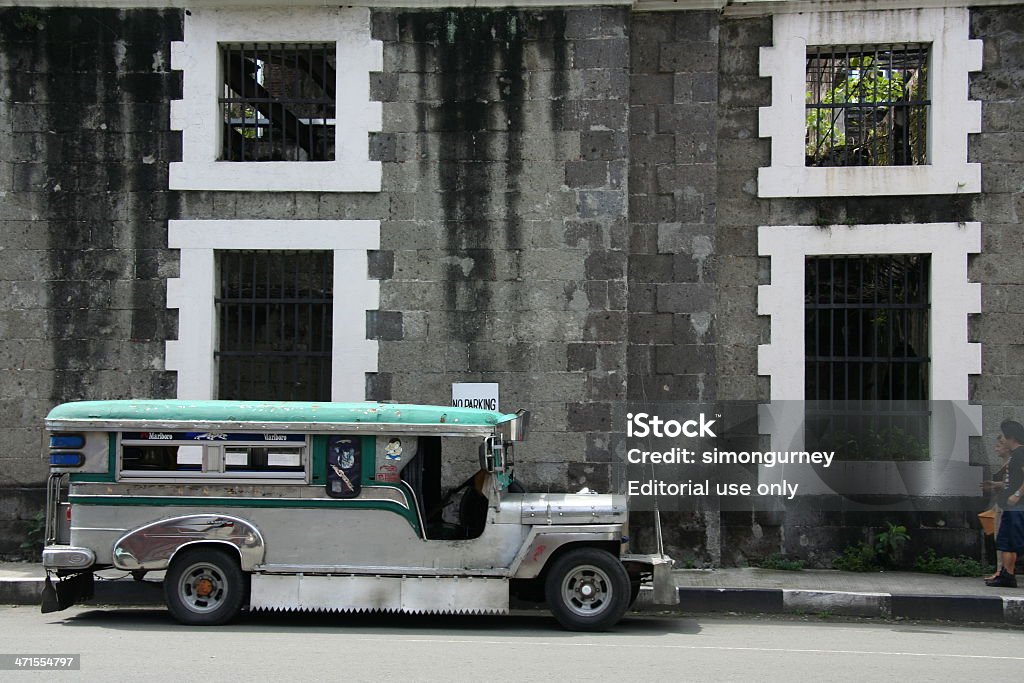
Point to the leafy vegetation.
(866, 83)
(950, 566)
(884, 551)
(859, 558)
(32, 546)
(780, 562)
(889, 444)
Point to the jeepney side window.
(263, 459)
(214, 455)
(161, 458)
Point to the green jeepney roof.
(379, 417)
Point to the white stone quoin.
(952, 116)
(191, 354)
(199, 118)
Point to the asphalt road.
(146, 645)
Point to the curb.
(965, 608)
(111, 592)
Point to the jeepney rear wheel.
(204, 587)
(587, 589)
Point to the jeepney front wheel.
(587, 589)
(204, 587)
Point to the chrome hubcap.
(586, 591)
(202, 587)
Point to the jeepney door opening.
(460, 512)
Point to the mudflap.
(66, 592)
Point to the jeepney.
(326, 506)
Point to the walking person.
(996, 485)
(1010, 538)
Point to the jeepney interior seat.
(466, 505)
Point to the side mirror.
(492, 454)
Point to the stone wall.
(674, 263)
(569, 208)
(505, 245)
(819, 536)
(83, 224)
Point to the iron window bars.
(867, 105)
(278, 101)
(866, 355)
(275, 312)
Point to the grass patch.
(780, 562)
(929, 563)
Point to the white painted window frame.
(199, 117)
(193, 292)
(952, 116)
(952, 358)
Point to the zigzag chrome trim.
(406, 594)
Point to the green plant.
(889, 543)
(687, 563)
(884, 551)
(33, 543)
(889, 444)
(780, 562)
(867, 82)
(859, 558)
(950, 566)
(29, 20)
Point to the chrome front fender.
(543, 541)
(152, 546)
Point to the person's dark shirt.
(1014, 478)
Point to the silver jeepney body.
(305, 550)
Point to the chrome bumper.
(665, 591)
(67, 557)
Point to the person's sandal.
(1004, 580)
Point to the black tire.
(205, 587)
(587, 589)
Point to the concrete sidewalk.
(747, 591)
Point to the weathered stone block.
(605, 326)
(654, 208)
(651, 89)
(606, 265)
(601, 204)
(581, 357)
(685, 298)
(602, 145)
(589, 417)
(586, 174)
(384, 325)
(651, 328)
(688, 57)
(650, 268)
(607, 53)
(684, 359)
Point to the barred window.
(278, 101)
(274, 311)
(867, 105)
(866, 355)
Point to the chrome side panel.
(432, 595)
(311, 537)
(153, 545)
(378, 538)
(562, 508)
